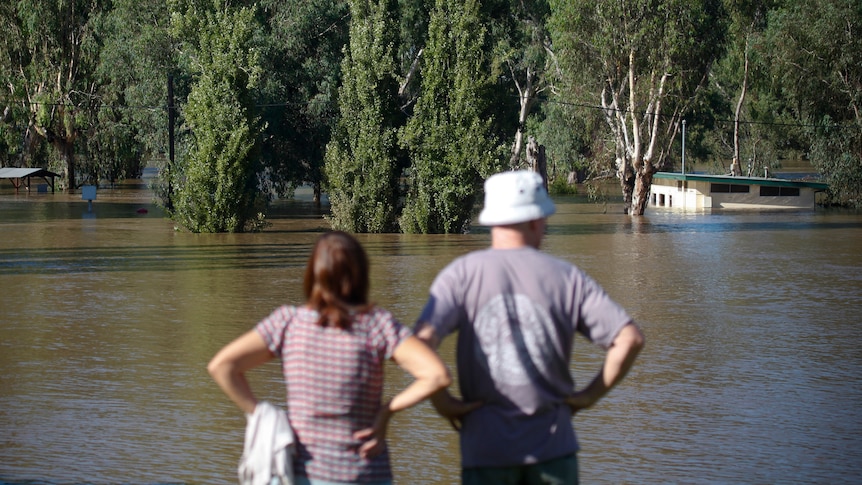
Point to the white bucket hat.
(514, 197)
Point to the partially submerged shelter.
(22, 176)
(699, 192)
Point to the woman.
(332, 350)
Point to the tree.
(836, 151)
(49, 58)
(302, 48)
(413, 20)
(645, 62)
(739, 82)
(217, 185)
(817, 59)
(135, 62)
(575, 139)
(522, 48)
(360, 163)
(450, 140)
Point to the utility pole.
(169, 203)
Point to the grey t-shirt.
(516, 312)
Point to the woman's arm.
(430, 375)
(229, 365)
(429, 372)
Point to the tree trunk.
(735, 168)
(537, 160)
(515, 159)
(641, 192)
(526, 96)
(626, 174)
(67, 155)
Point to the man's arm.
(427, 334)
(618, 360)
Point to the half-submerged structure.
(696, 192)
(21, 177)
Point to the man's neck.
(509, 237)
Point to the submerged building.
(697, 192)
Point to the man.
(516, 311)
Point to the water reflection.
(751, 373)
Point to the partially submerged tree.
(817, 49)
(136, 59)
(451, 144)
(217, 188)
(49, 56)
(303, 45)
(644, 61)
(522, 47)
(360, 163)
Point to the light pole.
(684, 185)
(683, 147)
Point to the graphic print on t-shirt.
(515, 343)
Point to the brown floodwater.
(108, 317)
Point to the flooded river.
(752, 371)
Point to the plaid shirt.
(334, 381)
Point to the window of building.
(729, 188)
(779, 191)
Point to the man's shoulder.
(527, 256)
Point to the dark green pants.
(559, 471)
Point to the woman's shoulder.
(375, 313)
(378, 317)
(383, 328)
(290, 313)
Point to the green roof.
(727, 179)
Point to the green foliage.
(84, 89)
(134, 64)
(113, 152)
(560, 185)
(574, 137)
(815, 51)
(644, 61)
(449, 138)
(49, 53)
(302, 49)
(360, 160)
(217, 192)
(837, 152)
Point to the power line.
(8, 102)
(101, 106)
(724, 121)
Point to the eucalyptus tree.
(741, 79)
(360, 162)
(522, 48)
(449, 137)
(217, 180)
(11, 123)
(644, 61)
(49, 55)
(135, 63)
(817, 60)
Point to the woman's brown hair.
(336, 279)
